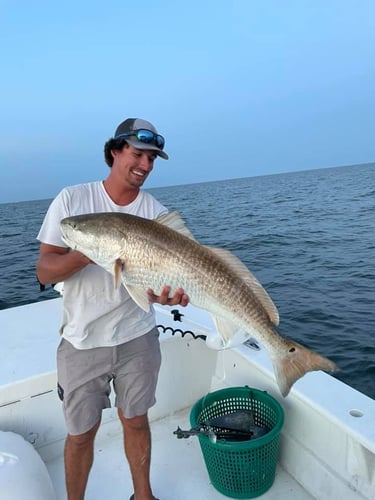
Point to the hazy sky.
(238, 88)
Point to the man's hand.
(179, 298)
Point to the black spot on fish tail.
(295, 362)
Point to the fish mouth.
(65, 226)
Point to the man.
(105, 335)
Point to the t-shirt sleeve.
(50, 231)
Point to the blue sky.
(238, 88)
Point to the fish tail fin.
(295, 361)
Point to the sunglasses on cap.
(145, 136)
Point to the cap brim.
(150, 147)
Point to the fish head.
(93, 235)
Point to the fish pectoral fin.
(246, 275)
(139, 295)
(174, 221)
(118, 268)
(226, 329)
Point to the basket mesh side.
(246, 469)
(241, 473)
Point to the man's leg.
(137, 444)
(79, 456)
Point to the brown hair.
(109, 146)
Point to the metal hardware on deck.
(225, 434)
(176, 315)
(32, 437)
(10, 403)
(182, 332)
(41, 393)
(252, 344)
(238, 425)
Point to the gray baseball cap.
(141, 134)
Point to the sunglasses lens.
(148, 137)
(145, 136)
(159, 141)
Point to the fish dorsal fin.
(243, 272)
(176, 222)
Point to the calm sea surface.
(308, 236)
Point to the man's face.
(133, 165)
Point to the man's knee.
(138, 423)
(82, 440)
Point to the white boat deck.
(178, 470)
(327, 441)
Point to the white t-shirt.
(95, 313)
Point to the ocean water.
(308, 236)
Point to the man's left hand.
(179, 298)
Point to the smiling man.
(131, 155)
(106, 337)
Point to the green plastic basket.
(244, 469)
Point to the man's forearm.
(54, 267)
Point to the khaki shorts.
(85, 376)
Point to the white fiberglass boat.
(327, 442)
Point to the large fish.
(147, 254)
